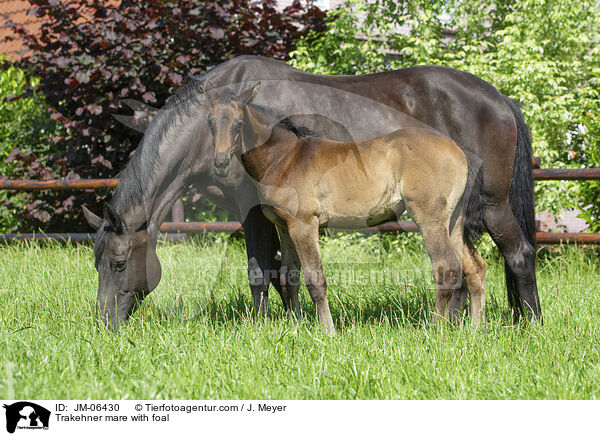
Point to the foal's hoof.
(330, 331)
(478, 324)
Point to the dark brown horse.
(306, 183)
(177, 150)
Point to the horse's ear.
(138, 106)
(248, 95)
(113, 218)
(93, 220)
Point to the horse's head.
(226, 121)
(128, 268)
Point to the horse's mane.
(195, 87)
(141, 168)
(297, 129)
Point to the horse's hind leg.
(305, 235)
(473, 270)
(519, 255)
(290, 273)
(458, 302)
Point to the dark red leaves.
(88, 54)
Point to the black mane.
(282, 121)
(141, 167)
(296, 129)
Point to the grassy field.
(195, 336)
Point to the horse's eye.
(120, 265)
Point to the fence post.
(177, 212)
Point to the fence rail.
(566, 174)
(178, 228)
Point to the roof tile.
(16, 11)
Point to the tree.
(539, 52)
(91, 54)
(585, 150)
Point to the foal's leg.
(458, 302)
(445, 262)
(290, 273)
(305, 235)
(431, 202)
(474, 271)
(433, 215)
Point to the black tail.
(521, 193)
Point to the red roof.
(16, 11)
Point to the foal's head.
(226, 120)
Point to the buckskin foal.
(307, 182)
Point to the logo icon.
(26, 415)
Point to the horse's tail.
(521, 193)
(521, 190)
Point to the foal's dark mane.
(296, 129)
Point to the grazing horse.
(306, 183)
(177, 151)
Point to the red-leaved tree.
(90, 54)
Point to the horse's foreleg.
(305, 236)
(290, 273)
(262, 245)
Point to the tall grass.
(195, 336)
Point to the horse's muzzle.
(221, 162)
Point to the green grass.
(195, 337)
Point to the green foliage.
(540, 53)
(198, 208)
(585, 151)
(24, 126)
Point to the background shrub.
(24, 132)
(584, 150)
(540, 52)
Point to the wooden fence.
(178, 228)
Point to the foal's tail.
(472, 200)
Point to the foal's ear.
(113, 218)
(248, 95)
(93, 220)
